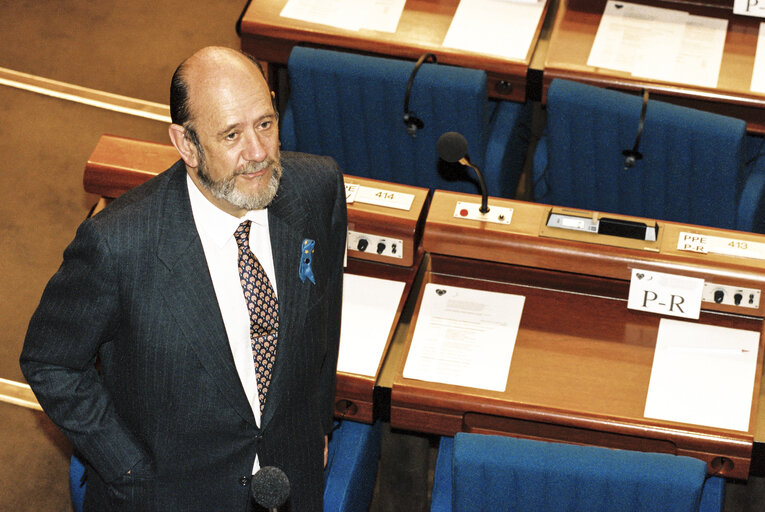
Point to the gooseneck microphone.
(452, 147)
(631, 156)
(270, 487)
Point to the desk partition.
(582, 360)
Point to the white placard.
(665, 294)
(351, 189)
(749, 8)
(369, 308)
(694, 242)
(386, 198)
(464, 337)
(703, 375)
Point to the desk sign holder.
(582, 360)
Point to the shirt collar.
(216, 224)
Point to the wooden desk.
(573, 34)
(582, 360)
(118, 164)
(422, 28)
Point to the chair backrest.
(77, 483)
(504, 473)
(351, 471)
(351, 107)
(692, 168)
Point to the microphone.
(452, 147)
(631, 156)
(270, 487)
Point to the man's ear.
(184, 145)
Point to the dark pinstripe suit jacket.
(134, 293)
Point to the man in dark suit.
(142, 347)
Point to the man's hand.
(326, 450)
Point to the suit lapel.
(286, 220)
(190, 295)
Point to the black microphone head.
(270, 487)
(631, 157)
(451, 146)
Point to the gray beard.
(225, 189)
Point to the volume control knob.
(380, 247)
(363, 244)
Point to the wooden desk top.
(422, 28)
(573, 34)
(582, 360)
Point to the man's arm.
(78, 312)
(339, 230)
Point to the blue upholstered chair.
(692, 171)
(349, 478)
(498, 473)
(77, 483)
(753, 192)
(351, 107)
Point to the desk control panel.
(736, 296)
(369, 243)
(387, 229)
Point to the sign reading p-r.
(749, 7)
(665, 294)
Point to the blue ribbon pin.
(306, 256)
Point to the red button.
(464, 212)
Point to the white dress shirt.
(216, 231)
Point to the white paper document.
(700, 55)
(369, 308)
(380, 15)
(703, 375)
(758, 72)
(663, 44)
(464, 337)
(494, 27)
(629, 33)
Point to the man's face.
(237, 142)
(267, 174)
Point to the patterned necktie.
(264, 310)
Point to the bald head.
(205, 67)
(225, 128)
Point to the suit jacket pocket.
(134, 487)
